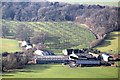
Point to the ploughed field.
(56, 70)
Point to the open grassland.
(111, 43)
(62, 35)
(9, 45)
(60, 71)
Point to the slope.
(110, 44)
(62, 35)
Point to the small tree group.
(14, 60)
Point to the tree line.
(46, 11)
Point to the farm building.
(43, 53)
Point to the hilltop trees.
(100, 22)
(8, 12)
(46, 11)
(106, 18)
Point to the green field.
(111, 44)
(60, 71)
(9, 45)
(57, 70)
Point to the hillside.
(58, 26)
(97, 17)
(110, 44)
(61, 35)
(52, 19)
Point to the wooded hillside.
(104, 17)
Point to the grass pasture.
(60, 71)
(111, 43)
(9, 45)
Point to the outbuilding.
(24, 44)
(43, 53)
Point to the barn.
(43, 53)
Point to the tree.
(5, 31)
(38, 38)
(23, 32)
(40, 46)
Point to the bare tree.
(23, 32)
(38, 38)
(5, 31)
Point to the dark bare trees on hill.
(101, 22)
(44, 11)
(106, 18)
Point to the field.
(9, 45)
(58, 70)
(62, 35)
(111, 44)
